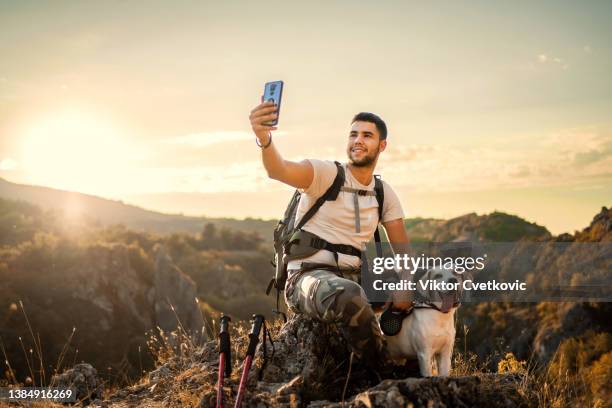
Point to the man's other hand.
(264, 112)
(402, 299)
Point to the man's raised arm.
(296, 174)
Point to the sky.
(490, 105)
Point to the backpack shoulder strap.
(330, 195)
(380, 197)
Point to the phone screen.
(273, 91)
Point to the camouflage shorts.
(325, 296)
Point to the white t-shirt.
(335, 220)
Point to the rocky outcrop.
(600, 229)
(108, 281)
(486, 390)
(496, 226)
(310, 367)
(107, 295)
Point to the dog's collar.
(431, 305)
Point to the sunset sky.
(490, 105)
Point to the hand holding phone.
(264, 117)
(273, 92)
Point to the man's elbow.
(274, 176)
(276, 173)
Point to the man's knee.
(333, 295)
(352, 294)
(329, 297)
(352, 306)
(314, 294)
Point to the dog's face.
(444, 287)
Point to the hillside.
(110, 212)
(112, 284)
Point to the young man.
(350, 220)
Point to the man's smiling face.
(364, 144)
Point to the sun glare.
(76, 151)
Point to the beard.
(366, 161)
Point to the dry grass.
(468, 364)
(188, 374)
(549, 386)
(36, 361)
(558, 384)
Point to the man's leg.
(327, 297)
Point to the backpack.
(291, 242)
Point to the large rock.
(121, 302)
(487, 390)
(109, 282)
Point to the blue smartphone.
(273, 91)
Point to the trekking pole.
(225, 357)
(250, 354)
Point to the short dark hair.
(372, 118)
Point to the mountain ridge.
(108, 211)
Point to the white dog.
(428, 332)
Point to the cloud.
(207, 138)
(551, 59)
(204, 139)
(573, 157)
(243, 176)
(520, 171)
(595, 154)
(412, 152)
(8, 164)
